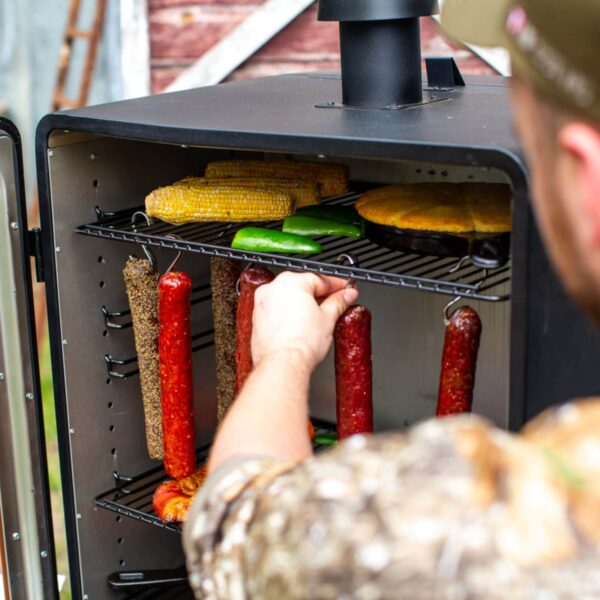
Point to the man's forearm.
(269, 417)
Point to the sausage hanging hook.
(351, 261)
(238, 282)
(179, 253)
(149, 254)
(447, 309)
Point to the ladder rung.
(60, 100)
(73, 32)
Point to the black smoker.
(95, 167)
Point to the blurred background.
(68, 53)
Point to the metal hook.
(459, 265)
(179, 253)
(149, 255)
(237, 283)
(351, 260)
(447, 310)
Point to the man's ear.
(580, 148)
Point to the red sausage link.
(250, 280)
(175, 364)
(459, 360)
(353, 372)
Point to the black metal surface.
(132, 497)
(485, 251)
(371, 262)
(443, 72)
(35, 415)
(137, 580)
(472, 127)
(381, 63)
(374, 10)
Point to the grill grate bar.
(372, 263)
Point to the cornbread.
(441, 207)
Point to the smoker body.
(537, 350)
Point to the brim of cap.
(480, 22)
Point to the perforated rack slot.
(373, 263)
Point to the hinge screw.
(29, 396)
(1, 376)
(93, 156)
(14, 226)
(71, 431)
(44, 554)
(16, 536)
(85, 597)
(58, 248)
(79, 515)
(50, 153)
(65, 342)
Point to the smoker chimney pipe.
(380, 45)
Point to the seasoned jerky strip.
(141, 285)
(250, 279)
(224, 275)
(175, 358)
(353, 372)
(459, 359)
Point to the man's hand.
(296, 314)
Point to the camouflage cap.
(554, 44)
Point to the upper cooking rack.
(360, 260)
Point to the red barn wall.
(182, 30)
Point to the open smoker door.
(27, 555)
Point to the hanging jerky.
(224, 275)
(141, 285)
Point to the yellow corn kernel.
(303, 192)
(333, 177)
(226, 203)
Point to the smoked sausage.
(175, 364)
(250, 279)
(353, 372)
(459, 359)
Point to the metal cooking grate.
(372, 263)
(132, 497)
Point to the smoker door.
(26, 544)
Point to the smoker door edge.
(24, 491)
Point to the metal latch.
(35, 250)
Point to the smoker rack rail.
(372, 263)
(132, 496)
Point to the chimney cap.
(375, 10)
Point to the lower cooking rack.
(361, 260)
(132, 496)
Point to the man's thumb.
(335, 306)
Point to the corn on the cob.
(333, 177)
(200, 203)
(303, 192)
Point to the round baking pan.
(488, 251)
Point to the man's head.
(556, 99)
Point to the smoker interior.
(100, 416)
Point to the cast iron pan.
(488, 251)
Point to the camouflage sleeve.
(453, 509)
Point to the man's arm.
(294, 318)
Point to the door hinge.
(35, 250)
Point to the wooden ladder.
(92, 36)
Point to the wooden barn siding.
(181, 31)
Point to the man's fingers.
(337, 304)
(319, 286)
